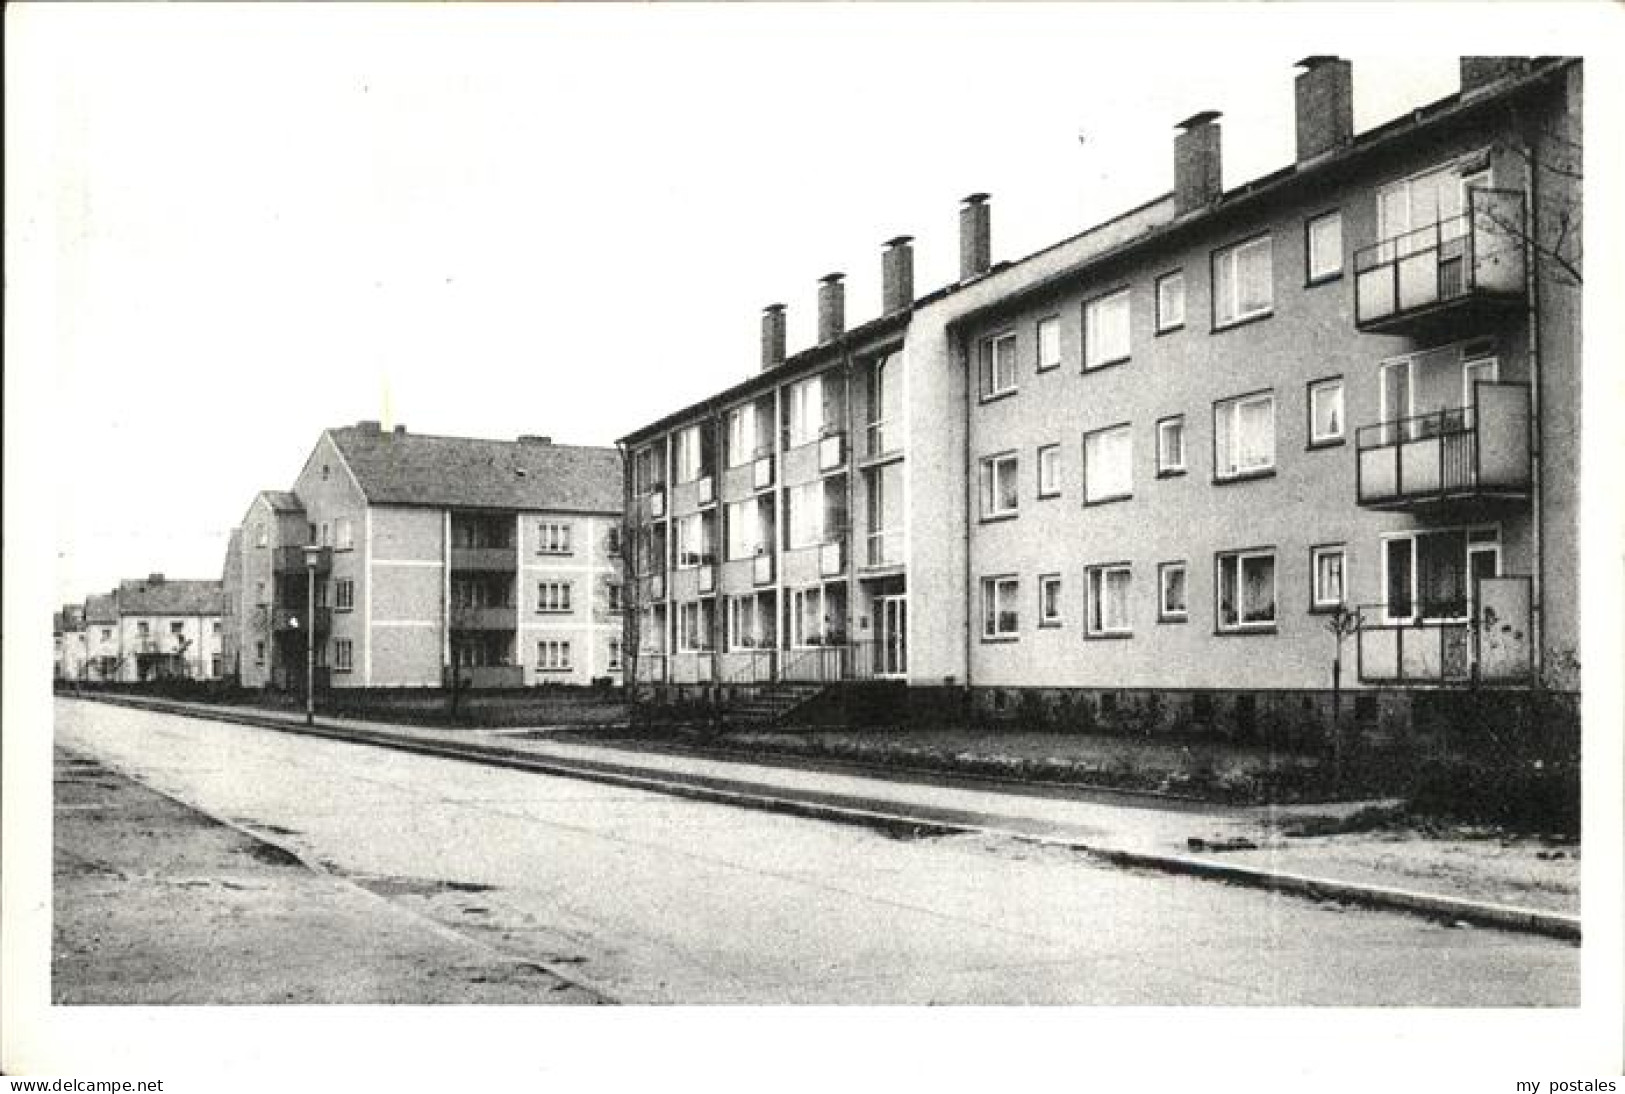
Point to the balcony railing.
(832, 559)
(498, 618)
(291, 560)
(656, 502)
(706, 490)
(708, 578)
(1491, 643)
(885, 439)
(831, 451)
(885, 548)
(762, 473)
(1482, 451)
(1475, 258)
(503, 560)
(762, 569)
(284, 620)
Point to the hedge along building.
(1353, 383)
(1225, 361)
(500, 559)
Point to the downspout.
(1532, 283)
(851, 536)
(962, 357)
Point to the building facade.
(1164, 454)
(152, 628)
(499, 560)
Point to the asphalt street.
(654, 899)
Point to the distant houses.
(151, 628)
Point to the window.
(1437, 197)
(1049, 343)
(343, 654)
(693, 544)
(1246, 590)
(741, 435)
(745, 538)
(553, 655)
(1000, 485)
(1170, 301)
(613, 664)
(818, 615)
(806, 410)
(1431, 575)
(325, 536)
(142, 629)
(553, 596)
(344, 594)
(1171, 446)
(689, 458)
(614, 595)
(1324, 247)
(1049, 600)
(1108, 600)
(1049, 471)
(1108, 465)
(176, 626)
(645, 470)
(107, 634)
(1001, 617)
(344, 534)
(214, 666)
(1244, 436)
(1172, 603)
(612, 541)
(1242, 282)
(259, 593)
(1106, 330)
(552, 538)
(1325, 412)
(997, 357)
(805, 521)
(259, 653)
(217, 626)
(1326, 567)
(750, 623)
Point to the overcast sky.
(241, 225)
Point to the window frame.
(554, 538)
(1171, 470)
(1310, 277)
(555, 597)
(990, 600)
(1050, 323)
(1313, 388)
(1095, 584)
(1217, 258)
(344, 594)
(1317, 604)
(987, 366)
(1126, 428)
(1235, 403)
(1045, 619)
(1164, 613)
(988, 485)
(1243, 626)
(1161, 325)
(343, 655)
(546, 648)
(1124, 294)
(1053, 451)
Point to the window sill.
(1323, 279)
(998, 639)
(1174, 618)
(340, 671)
(1330, 442)
(1050, 624)
(1106, 636)
(1244, 632)
(555, 554)
(1051, 496)
(1089, 503)
(553, 668)
(1101, 366)
(995, 518)
(1245, 476)
(1175, 329)
(1220, 328)
(997, 395)
(1172, 473)
(1323, 609)
(1051, 367)
(555, 611)
(344, 611)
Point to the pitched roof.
(143, 596)
(464, 472)
(101, 609)
(283, 501)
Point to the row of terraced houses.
(1159, 456)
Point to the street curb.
(1454, 909)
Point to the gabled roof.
(101, 609)
(398, 468)
(143, 596)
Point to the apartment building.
(69, 651)
(1161, 455)
(103, 657)
(410, 556)
(151, 628)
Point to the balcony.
(492, 676)
(832, 559)
(291, 560)
(1472, 453)
(762, 473)
(885, 549)
(496, 560)
(287, 620)
(708, 578)
(484, 619)
(831, 451)
(654, 503)
(885, 440)
(762, 569)
(657, 587)
(1464, 267)
(1494, 645)
(705, 490)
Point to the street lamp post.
(312, 556)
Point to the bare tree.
(1553, 163)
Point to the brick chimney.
(1481, 72)
(772, 336)
(1325, 105)
(831, 307)
(975, 237)
(1198, 174)
(897, 275)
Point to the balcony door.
(891, 653)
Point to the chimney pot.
(1324, 93)
(897, 275)
(831, 307)
(772, 336)
(975, 237)
(367, 426)
(155, 579)
(400, 431)
(1198, 172)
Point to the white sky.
(240, 225)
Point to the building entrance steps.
(1461, 880)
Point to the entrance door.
(892, 655)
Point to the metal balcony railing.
(291, 560)
(1461, 453)
(485, 559)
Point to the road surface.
(654, 899)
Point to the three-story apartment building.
(1162, 454)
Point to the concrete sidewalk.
(1468, 881)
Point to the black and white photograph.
(781, 545)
